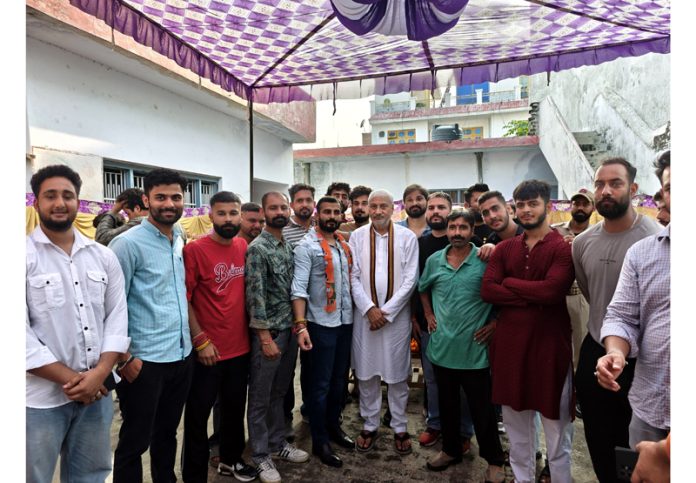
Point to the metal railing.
(448, 100)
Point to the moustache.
(458, 238)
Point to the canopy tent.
(286, 50)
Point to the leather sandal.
(399, 440)
(364, 436)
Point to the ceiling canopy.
(285, 50)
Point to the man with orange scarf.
(323, 322)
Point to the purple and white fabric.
(277, 50)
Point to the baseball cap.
(583, 193)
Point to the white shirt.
(75, 310)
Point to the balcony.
(420, 107)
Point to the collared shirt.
(75, 311)
(639, 313)
(294, 232)
(404, 222)
(153, 268)
(494, 237)
(459, 310)
(309, 282)
(268, 271)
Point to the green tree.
(516, 128)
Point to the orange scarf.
(329, 271)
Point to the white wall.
(640, 86)
(76, 105)
(343, 128)
(502, 170)
(421, 127)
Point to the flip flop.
(402, 438)
(365, 435)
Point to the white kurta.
(385, 352)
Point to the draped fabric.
(417, 19)
(289, 50)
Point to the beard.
(304, 214)
(415, 211)
(227, 231)
(329, 226)
(580, 216)
(59, 226)
(277, 222)
(360, 217)
(613, 209)
(533, 225)
(158, 215)
(440, 224)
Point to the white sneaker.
(292, 454)
(267, 471)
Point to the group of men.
(497, 297)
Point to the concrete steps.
(594, 146)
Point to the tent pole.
(250, 104)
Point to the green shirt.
(459, 310)
(268, 276)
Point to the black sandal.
(545, 475)
(402, 438)
(365, 434)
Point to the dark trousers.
(476, 384)
(327, 366)
(229, 379)
(289, 399)
(151, 407)
(606, 415)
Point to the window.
(472, 133)
(401, 136)
(121, 176)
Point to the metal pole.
(250, 104)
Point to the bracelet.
(123, 364)
(300, 321)
(296, 330)
(266, 342)
(303, 329)
(203, 345)
(200, 338)
(617, 351)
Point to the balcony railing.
(479, 97)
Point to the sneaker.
(501, 428)
(292, 454)
(429, 437)
(578, 411)
(466, 446)
(442, 461)
(240, 470)
(267, 472)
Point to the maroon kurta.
(531, 349)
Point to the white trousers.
(371, 403)
(521, 431)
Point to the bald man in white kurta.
(384, 353)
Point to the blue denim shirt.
(153, 269)
(309, 282)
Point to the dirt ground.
(384, 464)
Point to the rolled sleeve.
(38, 355)
(302, 272)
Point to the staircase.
(594, 146)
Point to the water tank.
(445, 132)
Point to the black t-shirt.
(482, 232)
(495, 239)
(427, 245)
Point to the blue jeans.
(433, 420)
(80, 433)
(327, 364)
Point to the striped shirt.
(639, 313)
(153, 268)
(293, 233)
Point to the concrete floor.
(384, 464)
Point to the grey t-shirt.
(598, 256)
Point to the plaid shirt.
(268, 273)
(639, 313)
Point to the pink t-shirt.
(215, 289)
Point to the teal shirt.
(153, 269)
(459, 310)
